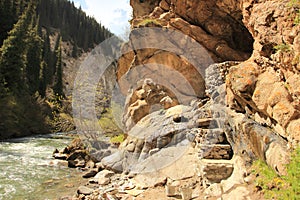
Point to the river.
(25, 172)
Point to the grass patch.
(276, 187)
(108, 124)
(282, 47)
(118, 139)
(148, 21)
(296, 5)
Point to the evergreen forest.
(31, 70)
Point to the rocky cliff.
(236, 30)
(263, 88)
(220, 75)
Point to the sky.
(113, 14)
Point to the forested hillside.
(31, 69)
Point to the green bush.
(118, 139)
(279, 187)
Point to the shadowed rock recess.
(244, 103)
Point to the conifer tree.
(43, 79)
(48, 58)
(75, 51)
(12, 58)
(58, 85)
(33, 56)
(6, 18)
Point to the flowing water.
(25, 172)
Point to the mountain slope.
(39, 42)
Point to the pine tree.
(55, 54)
(48, 58)
(12, 58)
(58, 84)
(6, 16)
(75, 51)
(43, 79)
(33, 56)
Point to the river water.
(25, 172)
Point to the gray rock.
(99, 155)
(105, 174)
(84, 190)
(114, 161)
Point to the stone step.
(216, 151)
(214, 171)
(210, 123)
(215, 136)
(206, 122)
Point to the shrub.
(118, 139)
(276, 187)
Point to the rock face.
(229, 113)
(265, 87)
(217, 25)
(267, 84)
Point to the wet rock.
(60, 156)
(90, 164)
(79, 162)
(77, 154)
(58, 163)
(90, 174)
